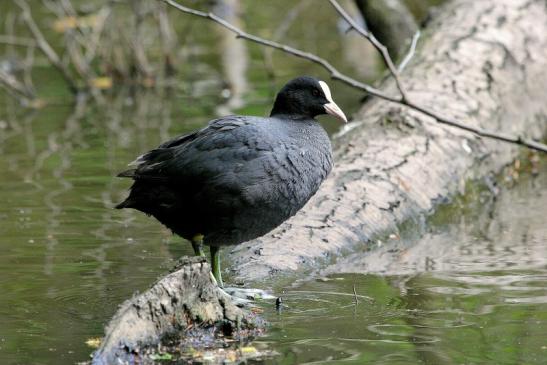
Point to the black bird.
(240, 176)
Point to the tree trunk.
(481, 62)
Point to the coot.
(240, 176)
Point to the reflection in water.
(471, 291)
(483, 300)
(67, 261)
(486, 235)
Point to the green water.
(470, 290)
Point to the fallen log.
(482, 62)
(183, 310)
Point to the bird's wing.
(160, 153)
(204, 154)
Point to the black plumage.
(240, 176)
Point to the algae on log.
(482, 62)
(183, 306)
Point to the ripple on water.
(432, 318)
(519, 286)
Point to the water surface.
(471, 290)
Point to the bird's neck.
(283, 108)
(291, 116)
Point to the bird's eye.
(315, 92)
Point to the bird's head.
(306, 97)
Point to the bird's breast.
(300, 174)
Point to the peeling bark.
(183, 306)
(482, 62)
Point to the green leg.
(215, 264)
(197, 244)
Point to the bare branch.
(17, 41)
(376, 43)
(44, 46)
(534, 145)
(27, 70)
(280, 32)
(136, 41)
(337, 75)
(438, 117)
(16, 88)
(96, 33)
(168, 40)
(411, 51)
(23, 91)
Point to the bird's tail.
(127, 173)
(128, 202)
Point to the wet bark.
(184, 306)
(482, 62)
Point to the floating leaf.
(161, 356)
(61, 25)
(93, 342)
(208, 356)
(248, 350)
(71, 22)
(101, 83)
(231, 356)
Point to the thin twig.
(355, 295)
(96, 33)
(337, 75)
(27, 70)
(281, 30)
(137, 40)
(376, 43)
(439, 118)
(518, 140)
(17, 41)
(14, 87)
(410, 52)
(168, 39)
(75, 42)
(44, 45)
(19, 90)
